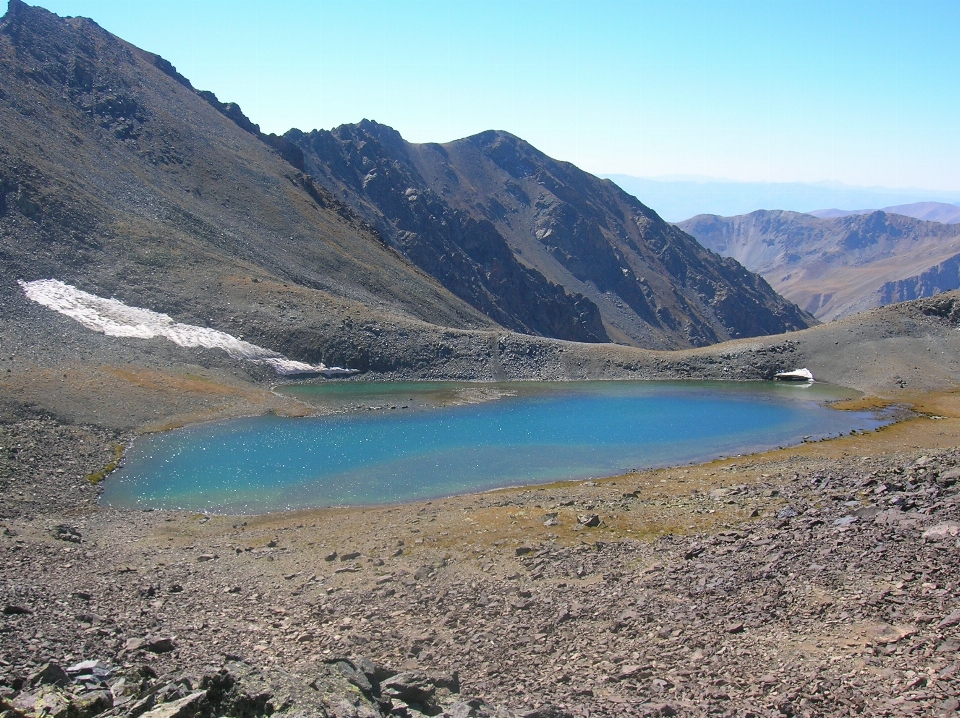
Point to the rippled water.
(456, 438)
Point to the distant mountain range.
(677, 198)
(836, 266)
(929, 211)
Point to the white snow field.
(116, 319)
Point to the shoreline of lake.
(678, 419)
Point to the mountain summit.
(504, 226)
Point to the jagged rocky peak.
(370, 167)
(617, 269)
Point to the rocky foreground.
(820, 580)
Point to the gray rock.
(409, 687)
(134, 644)
(588, 520)
(355, 676)
(948, 478)
(49, 674)
(419, 687)
(91, 668)
(63, 532)
(952, 620)
(945, 530)
(160, 645)
(693, 551)
(657, 709)
(48, 701)
(12, 610)
(186, 707)
(90, 704)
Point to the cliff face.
(497, 221)
(836, 266)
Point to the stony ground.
(819, 580)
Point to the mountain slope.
(837, 266)
(465, 253)
(116, 176)
(119, 178)
(544, 223)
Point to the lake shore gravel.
(817, 580)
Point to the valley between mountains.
(814, 580)
(834, 266)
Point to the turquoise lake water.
(458, 438)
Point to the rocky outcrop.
(539, 245)
(836, 266)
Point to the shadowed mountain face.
(837, 266)
(466, 253)
(496, 221)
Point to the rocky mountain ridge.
(494, 209)
(120, 179)
(833, 267)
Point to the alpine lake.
(380, 443)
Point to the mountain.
(119, 178)
(833, 267)
(505, 227)
(677, 198)
(135, 191)
(929, 211)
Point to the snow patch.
(116, 319)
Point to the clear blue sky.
(863, 92)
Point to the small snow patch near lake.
(116, 319)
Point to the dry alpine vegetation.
(816, 580)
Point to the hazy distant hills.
(505, 227)
(349, 247)
(676, 199)
(836, 266)
(929, 211)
